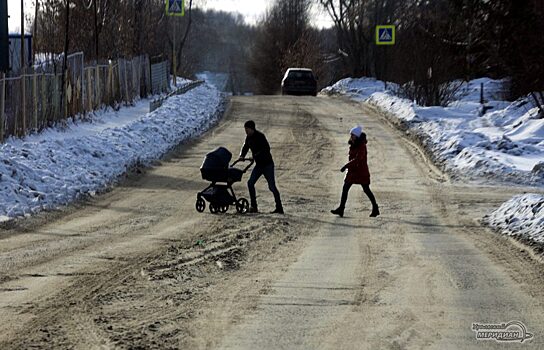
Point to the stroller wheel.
(200, 205)
(213, 209)
(242, 206)
(224, 209)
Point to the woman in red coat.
(357, 171)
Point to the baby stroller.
(220, 196)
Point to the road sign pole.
(174, 8)
(385, 35)
(385, 68)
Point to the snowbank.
(358, 89)
(55, 167)
(521, 217)
(218, 80)
(506, 144)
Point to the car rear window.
(300, 75)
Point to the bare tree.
(348, 17)
(520, 50)
(283, 26)
(305, 52)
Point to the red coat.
(357, 166)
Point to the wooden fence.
(37, 99)
(156, 103)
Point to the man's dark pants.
(268, 172)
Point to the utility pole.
(35, 29)
(174, 55)
(4, 38)
(95, 30)
(4, 62)
(65, 58)
(23, 70)
(23, 65)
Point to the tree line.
(437, 41)
(106, 29)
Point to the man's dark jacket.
(260, 148)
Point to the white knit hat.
(357, 131)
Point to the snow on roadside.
(357, 88)
(56, 167)
(215, 79)
(521, 217)
(506, 144)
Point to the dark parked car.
(299, 81)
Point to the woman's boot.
(338, 211)
(375, 211)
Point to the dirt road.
(138, 267)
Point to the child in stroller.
(215, 168)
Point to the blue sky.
(252, 10)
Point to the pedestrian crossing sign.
(385, 35)
(175, 7)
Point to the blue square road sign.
(385, 35)
(175, 7)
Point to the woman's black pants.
(366, 189)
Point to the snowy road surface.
(505, 145)
(138, 267)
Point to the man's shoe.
(375, 212)
(253, 210)
(278, 211)
(338, 211)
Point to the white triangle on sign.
(385, 36)
(175, 6)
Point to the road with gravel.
(138, 267)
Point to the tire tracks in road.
(162, 276)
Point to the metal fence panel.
(32, 101)
(159, 77)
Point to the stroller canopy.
(217, 159)
(216, 167)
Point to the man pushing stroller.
(264, 165)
